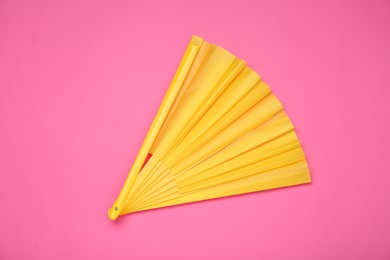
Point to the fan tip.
(113, 214)
(196, 40)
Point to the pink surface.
(80, 82)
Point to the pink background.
(80, 82)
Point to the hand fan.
(218, 132)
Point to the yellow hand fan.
(219, 132)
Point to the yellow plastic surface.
(219, 132)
